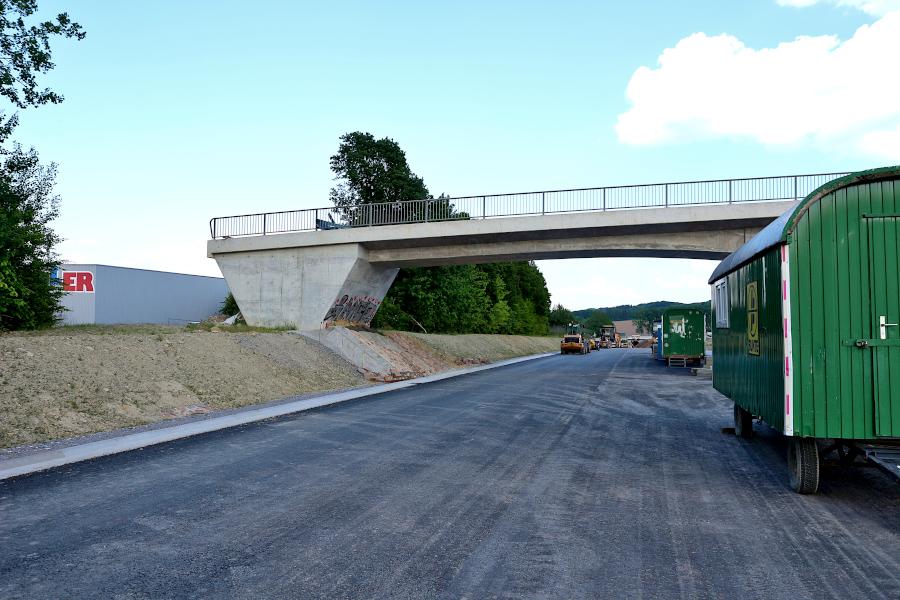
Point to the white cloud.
(811, 90)
(882, 143)
(872, 7)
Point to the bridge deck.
(687, 193)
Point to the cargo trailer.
(680, 337)
(805, 323)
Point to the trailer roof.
(776, 232)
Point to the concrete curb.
(42, 461)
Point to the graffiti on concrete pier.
(359, 310)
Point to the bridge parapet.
(656, 195)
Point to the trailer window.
(720, 299)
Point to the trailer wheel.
(803, 465)
(743, 423)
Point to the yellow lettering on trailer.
(752, 319)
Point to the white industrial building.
(104, 294)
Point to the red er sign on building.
(77, 281)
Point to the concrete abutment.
(306, 287)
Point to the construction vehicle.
(607, 336)
(575, 340)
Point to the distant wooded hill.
(648, 310)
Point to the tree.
(561, 316)
(643, 320)
(493, 298)
(500, 313)
(523, 292)
(450, 299)
(25, 52)
(29, 298)
(371, 171)
(375, 172)
(596, 320)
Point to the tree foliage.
(25, 52)
(643, 319)
(510, 298)
(370, 171)
(229, 306)
(596, 320)
(373, 178)
(561, 316)
(492, 298)
(29, 298)
(647, 310)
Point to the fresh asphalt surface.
(593, 476)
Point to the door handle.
(883, 325)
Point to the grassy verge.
(69, 330)
(99, 330)
(236, 328)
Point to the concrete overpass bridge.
(311, 267)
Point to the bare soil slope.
(397, 355)
(482, 348)
(70, 382)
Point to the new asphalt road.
(599, 476)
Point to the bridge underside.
(708, 245)
(312, 279)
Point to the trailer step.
(885, 457)
(678, 362)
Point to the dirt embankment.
(397, 355)
(479, 348)
(69, 382)
(72, 381)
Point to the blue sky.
(176, 112)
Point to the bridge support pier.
(306, 287)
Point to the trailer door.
(884, 271)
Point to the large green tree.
(28, 297)
(373, 178)
(371, 171)
(494, 298)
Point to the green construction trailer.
(681, 337)
(805, 323)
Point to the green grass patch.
(100, 330)
(236, 328)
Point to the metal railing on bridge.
(653, 195)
